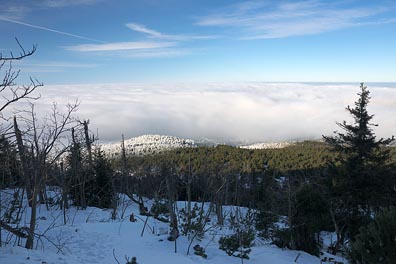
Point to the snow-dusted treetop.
(268, 145)
(151, 144)
(146, 144)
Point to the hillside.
(146, 144)
(276, 145)
(154, 144)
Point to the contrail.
(49, 29)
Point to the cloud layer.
(252, 112)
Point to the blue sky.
(160, 41)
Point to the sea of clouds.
(248, 112)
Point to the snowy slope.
(151, 144)
(147, 144)
(90, 237)
(268, 145)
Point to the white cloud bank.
(255, 112)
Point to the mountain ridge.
(154, 143)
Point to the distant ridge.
(153, 144)
(146, 144)
(268, 145)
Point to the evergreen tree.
(9, 173)
(376, 242)
(311, 217)
(78, 174)
(103, 176)
(360, 175)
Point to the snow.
(276, 145)
(152, 144)
(90, 236)
(146, 144)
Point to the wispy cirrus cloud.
(158, 53)
(14, 11)
(121, 46)
(154, 45)
(156, 34)
(143, 29)
(19, 9)
(61, 64)
(3, 18)
(263, 20)
(51, 66)
(65, 3)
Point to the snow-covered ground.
(91, 237)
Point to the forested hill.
(302, 156)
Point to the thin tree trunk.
(17, 219)
(88, 142)
(188, 190)
(64, 203)
(1, 240)
(32, 226)
(173, 219)
(290, 213)
(25, 168)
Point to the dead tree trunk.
(32, 225)
(25, 167)
(88, 143)
(77, 172)
(290, 213)
(64, 203)
(188, 191)
(125, 171)
(174, 234)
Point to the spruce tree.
(9, 171)
(360, 176)
(103, 176)
(376, 243)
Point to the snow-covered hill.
(268, 145)
(151, 144)
(146, 144)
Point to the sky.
(152, 41)
(224, 69)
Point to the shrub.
(160, 210)
(265, 223)
(192, 225)
(376, 242)
(239, 242)
(200, 251)
(281, 237)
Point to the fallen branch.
(295, 260)
(16, 231)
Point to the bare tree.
(11, 92)
(46, 141)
